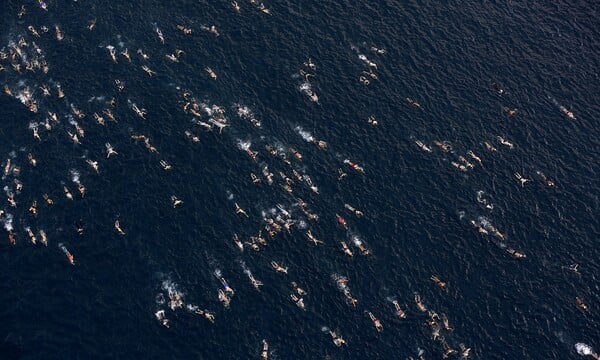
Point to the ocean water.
(417, 205)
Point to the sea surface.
(417, 206)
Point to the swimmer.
(60, 91)
(43, 237)
(253, 245)
(208, 315)
(48, 199)
(18, 185)
(413, 103)
(109, 150)
(312, 95)
(371, 74)
(296, 153)
(142, 54)
(367, 61)
(175, 201)
(320, 143)
(255, 179)
(67, 193)
(505, 142)
(99, 119)
(160, 316)
(283, 211)
(149, 146)
(419, 303)
(165, 165)
(377, 50)
(172, 57)
(47, 124)
(464, 351)
(438, 282)
(546, 179)
(67, 254)
(235, 5)
(446, 323)
(372, 120)
(257, 284)
(240, 211)
(11, 199)
(33, 208)
(475, 157)
(160, 35)
(580, 304)
(356, 212)
(59, 34)
(221, 126)
(510, 112)
(445, 146)
(448, 351)
(490, 147)
(298, 301)
(363, 250)
(118, 228)
(423, 146)
(309, 64)
(126, 55)
(298, 289)
(228, 289)
(184, 30)
(312, 238)
(188, 134)
(515, 254)
(271, 150)
(45, 90)
(36, 134)
(112, 52)
(574, 268)
(346, 249)
(376, 322)
(213, 30)
(93, 165)
(148, 70)
(22, 11)
(354, 166)
(279, 268)
(399, 312)
(224, 299)
(81, 189)
(11, 238)
(341, 221)
(337, 340)
(264, 354)
(31, 235)
(498, 89)
(521, 179)
(568, 113)
(211, 73)
(91, 25)
(7, 167)
(140, 112)
(237, 241)
(287, 180)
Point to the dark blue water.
(417, 205)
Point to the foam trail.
(304, 134)
(75, 176)
(8, 222)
